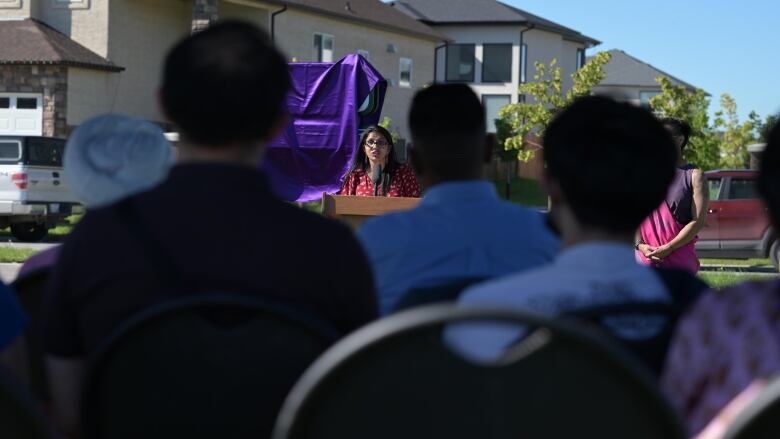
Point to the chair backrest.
(19, 417)
(448, 292)
(216, 365)
(31, 289)
(660, 317)
(761, 418)
(398, 378)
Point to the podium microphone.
(376, 177)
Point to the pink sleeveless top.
(666, 222)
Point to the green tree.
(676, 101)
(762, 127)
(545, 98)
(735, 136)
(387, 124)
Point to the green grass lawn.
(63, 229)
(55, 235)
(752, 262)
(8, 254)
(717, 279)
(523, 191)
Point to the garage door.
(21, 114)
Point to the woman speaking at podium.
(375, 171)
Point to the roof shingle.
(625, 70)
(32, 42)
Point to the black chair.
(31, 290)
(659, 318)
(19, 417)
(761, 418)
(396, 378)
(448, 292)
(211, 366)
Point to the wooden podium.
(354, 210)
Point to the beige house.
(493, 46)
(96, 56)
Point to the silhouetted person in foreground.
(214, 218)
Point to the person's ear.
(491, 141)
(414, 160)
(551, 187)
(278, 126)
(162, 106)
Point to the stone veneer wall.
(51, 82)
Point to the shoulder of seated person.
(503, 286)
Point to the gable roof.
(29, 41)
(374, 12)
(627, 71)
(464, 12)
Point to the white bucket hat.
(113, 156)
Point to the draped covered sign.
(315, 151)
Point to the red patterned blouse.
(403, 183)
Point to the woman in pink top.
(667, 237)
(730, 339)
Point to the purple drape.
(317, 148)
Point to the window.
(645, 96)
(10, 4)
(743, 189)
(714, 186)
(71, 4)
(5, 102)
(405, 66)
(492, 104)
(496, 63)
(460, 63)
(364, 54)
(523, 62)
(10, 150)
(45, 152)
(26, 103)
(580, 58)
(323, 47)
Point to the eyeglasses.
(381, 144)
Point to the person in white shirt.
(609, 165)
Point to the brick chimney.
(204, 13)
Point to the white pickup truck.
(33, 195)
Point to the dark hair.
(447, 122)
(678, 127)
(769, 175)
(614, 162)
(225, 84)
(360, 162)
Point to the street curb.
(739, 269)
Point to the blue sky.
(720, 46)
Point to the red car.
(737, 222)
